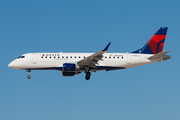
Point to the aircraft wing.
(93, 59)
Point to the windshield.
(20, 57)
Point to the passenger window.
(84, 57)
(109, 57)
(113, 57)
(71, 57)
(66, 56)
(41, 56)
(74, 56)
(62, 56)
(79, 57)
(54, 57)
(105, 57)
(122, 57)
(118, 57)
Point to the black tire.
(28, 76)
(87, 77)
(88, 74)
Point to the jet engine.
(70, 67)
(70, 73)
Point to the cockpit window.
(21, 57)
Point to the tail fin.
(155, 44)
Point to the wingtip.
(106, 48)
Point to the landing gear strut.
(29, 71)
(88, 74)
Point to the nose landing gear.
(28, 76)
(29, 71)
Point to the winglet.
(106, 48)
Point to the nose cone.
(11, 65)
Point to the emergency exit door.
(128, 58)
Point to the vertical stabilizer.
(155, 44)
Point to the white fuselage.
(55, 61)
(74, 63)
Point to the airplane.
(75, 63)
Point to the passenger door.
(34, 58)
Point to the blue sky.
(142, 93)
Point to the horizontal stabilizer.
(158, 55)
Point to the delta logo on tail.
(155, 44)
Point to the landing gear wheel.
(88, 74)
(87, 78)
(28, 76)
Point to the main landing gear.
(88, 74)
(29, 71)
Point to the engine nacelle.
(70, 67)
(70, 73)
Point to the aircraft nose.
(11, 65)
